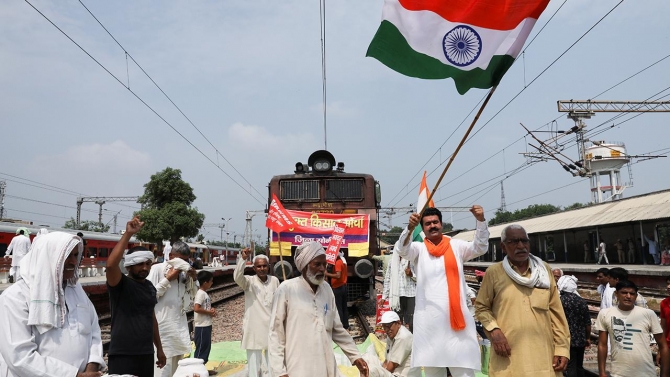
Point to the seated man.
(48, 326)
(398, 350)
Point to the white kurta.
(172, 323)
(58, 352)
(257, 307)
(303, 326)
(18, 248)
(436, 344)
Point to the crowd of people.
(534, 318)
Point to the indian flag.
(424, 193)
(472, 41)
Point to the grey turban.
(306, 253)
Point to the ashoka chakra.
(462, 45)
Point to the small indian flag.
(472, 41)
(424, 193)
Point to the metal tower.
(100, 200)
(503, 205)
(602, 158)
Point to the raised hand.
(478, 212)
(133, 226)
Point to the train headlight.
(288, 269)
(322, 166)
(363, 268)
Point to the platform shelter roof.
(646, 207)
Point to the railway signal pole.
(100, 200)
(3, 186)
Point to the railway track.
(362, 327)
(219, 295)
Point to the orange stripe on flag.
(424, 186)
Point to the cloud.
(260, 139)
(116, 157)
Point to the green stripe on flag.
(418, 235)
(390, 47)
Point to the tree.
(447, 227)
(532, 210)
(391, 236)
(167, 211)
(200, 238)
(86, 225)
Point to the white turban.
(138, 257)
(306, 253)
(567, 283)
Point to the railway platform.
(647, 276)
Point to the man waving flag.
(472, 41)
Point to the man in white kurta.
(175, 296)
(49, 329)
(304, 323)
(436, 345)
(19, 246)
(258, 293)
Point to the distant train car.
(98, 245)
(220, 252)
(318, 195)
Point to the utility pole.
(3, 186)
(227, 233)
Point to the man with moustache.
(305, 322)
(132, 299)
(258, 293)
(444, 330)
(519, 305)
(48, 326)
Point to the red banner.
(336, 239)
(312, 226)
(278, 219)
(381, 309)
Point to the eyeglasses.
(515, 241)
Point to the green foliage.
(447, 227)
(166, 187)
(532, 210)
(576, 205)
(391, 236)
(167, 212)
(200, 238)
(86, 225)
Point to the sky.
(248, 75)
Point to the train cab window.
(104, 252)
(299, 190)
(3, 249)
(92, 252)
(347, 190)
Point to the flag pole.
(281, 256)
(458, 148)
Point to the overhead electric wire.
(322, 25)
(539, 75)
(168, 98)
(144, 103)
(56, 189)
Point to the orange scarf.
(453, 279)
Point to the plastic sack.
(191, 367)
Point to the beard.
(312, 278)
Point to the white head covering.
(42, 232)
(567, 283)
(137, 257)
(42, 271)
(306, 252)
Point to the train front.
(319, 194)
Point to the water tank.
(603, 156)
